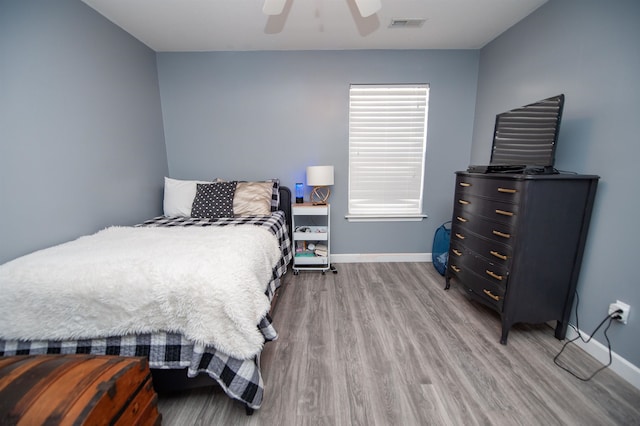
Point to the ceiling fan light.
(273, 7)
(368, 7)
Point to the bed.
(183, 352)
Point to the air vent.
(406, 23)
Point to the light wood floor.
(384, 344)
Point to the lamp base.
(320, 195)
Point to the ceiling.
(230, 25)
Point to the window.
(387, 143)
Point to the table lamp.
(320, 177)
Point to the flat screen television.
(526, 137)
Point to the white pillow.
(179, 195)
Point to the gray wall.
(589, 51)
(81, 137)
(256, 115)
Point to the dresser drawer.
(490, 209)
(491, 271)
(498, 253)
(485, 295)
(500, 232)
(496, 189)
(457, 251)
(486, 291)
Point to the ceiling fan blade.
(273, 7)
(368, 7)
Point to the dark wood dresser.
(517, 243)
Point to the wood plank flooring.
(384, 344)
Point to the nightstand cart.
(311, 241)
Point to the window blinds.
(387, 141)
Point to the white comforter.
(207, 283)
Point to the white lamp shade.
(320, 175)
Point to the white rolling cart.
(311, 238)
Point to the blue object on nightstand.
(299, 193)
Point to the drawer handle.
(462, 237)
(498, 255)
(465, 184)
(501, 234)
(493, 275)
(455, 268)
(456, 252)
(504, 212)
(491, 295)
(464, 202)
(507, 190)
(462, 219)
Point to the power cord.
(615, 315)
(610, 317)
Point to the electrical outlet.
(618, 305)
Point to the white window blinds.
(387, 141)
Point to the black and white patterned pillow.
(214, 200)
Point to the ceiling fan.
(366, 7)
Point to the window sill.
(385, 217)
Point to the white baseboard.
(619, 365)
(380, 257)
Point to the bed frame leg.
(248, 410)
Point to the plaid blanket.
(240, 379)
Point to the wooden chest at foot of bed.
(76, 389)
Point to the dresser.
(517, 243)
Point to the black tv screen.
(527, 136)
